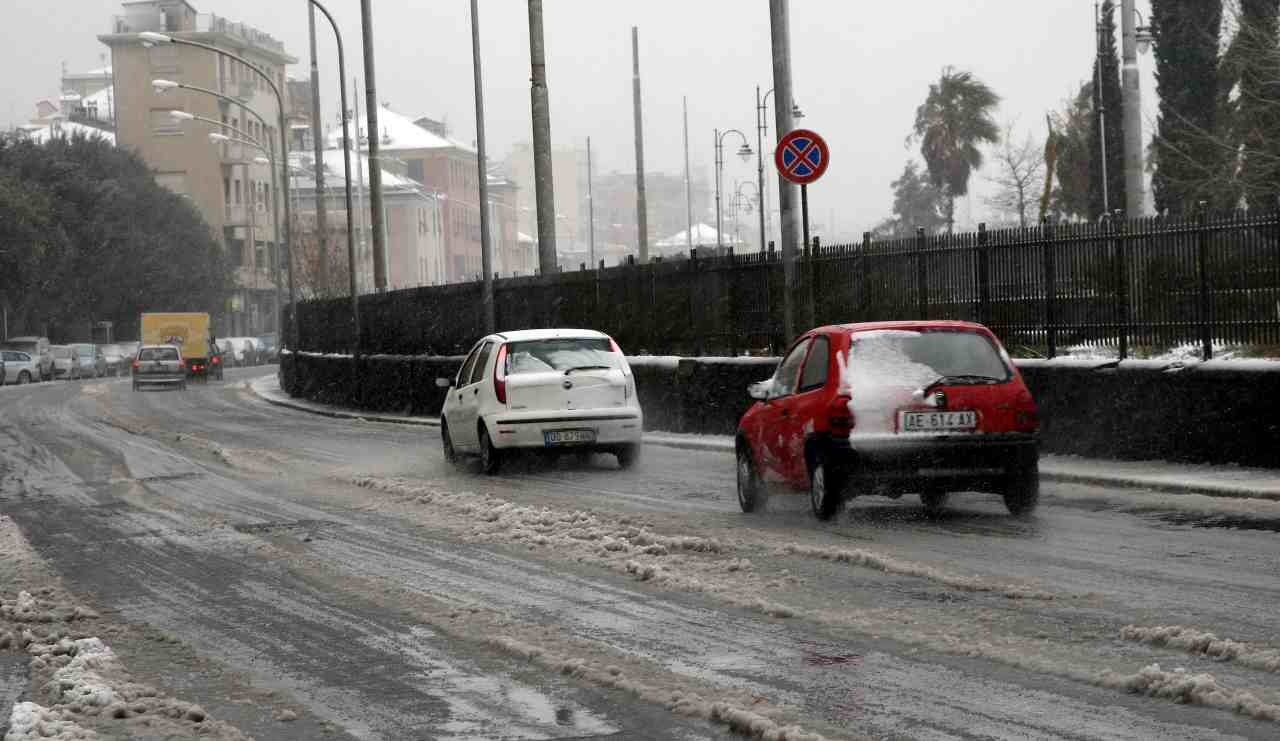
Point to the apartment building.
(223, 181)
(444, 168)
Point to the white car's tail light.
(500, 375)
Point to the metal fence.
(1131, 287)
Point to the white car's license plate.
(937, 421)
(568, 437)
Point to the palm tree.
(951, 123)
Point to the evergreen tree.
(1106, 97)
(1255, 55)
(1071, 196)
(917, 204)
(1187, 159)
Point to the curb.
(1222, 491)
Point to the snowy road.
(272, 564)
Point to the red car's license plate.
(965, 421)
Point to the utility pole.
(688, 183)
(1131, 84)
(760, 165)
(322, 223)
(780, 28)
(591, 208)
(361, 227)
(486, 243)
(548, 260)
(642, 209)
(375, 161)
(1099, 91)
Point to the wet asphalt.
(250, 576)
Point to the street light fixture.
(745, 153)
(151, 38)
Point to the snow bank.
(889, 565)
(1208, 645)
(1181, 686)
(31, 722)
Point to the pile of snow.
(82, 682)
(31, 722)
(1181, 686)
(1204, 644)
(885, 379)
(889, 565)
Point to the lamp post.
(743, 201)
(151, 38)
(745, 153)
(1135, 38)
(163, 86)
(346, 173)
(762, 129)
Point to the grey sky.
(860, 70)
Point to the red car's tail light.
(840, 417)
(135, 364)
(500, 375)
(1026, 417)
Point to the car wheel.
(934, 501)
(1022, 490)
(825, 487)
(750, 487)
(450, 453)
(628, 456)
(490, 457)
(24, 377)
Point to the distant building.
(223, 182)
(614, 195)
(422, 151)
(570, 192)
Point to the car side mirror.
(760, 390)
(444, 383)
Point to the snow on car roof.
(522, 335)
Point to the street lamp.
(745, 153)
(151, 38)
(762, 128)
(163, 86)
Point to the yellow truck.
(192, 333)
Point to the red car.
(927, 407)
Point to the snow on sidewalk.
(1176, 478)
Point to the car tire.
(750, 486)
(23, 378)
(826, 485)
(490, 456)
(446, 442)
(628, 456)
(1022, 490)
(934, 502)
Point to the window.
(417, 171)
(560, 354)
(464, 375)
(784, 380)
(235, 249)
(815, 368)
(162, 124)
(482, 361)
(260, 255)
(238, 201)
(226, 189)
(158, 353)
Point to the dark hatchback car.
(890, 408)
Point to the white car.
(19, 367)
(555, 390)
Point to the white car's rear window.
(560, 354)
(158, 353)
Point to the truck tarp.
(189, 331)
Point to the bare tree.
(1019, 175)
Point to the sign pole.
(808, 255)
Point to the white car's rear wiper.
(588, 367)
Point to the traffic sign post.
(802, 157)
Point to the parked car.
(115, 360)
(91, 360)
(19, 367)
(36, 347)
(227, 353)
(65, 362)
(554, 390)
(245, 349)
(927, 407)
(268, 352)
(159, 365)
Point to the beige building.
(569, 194)
(223, 182)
